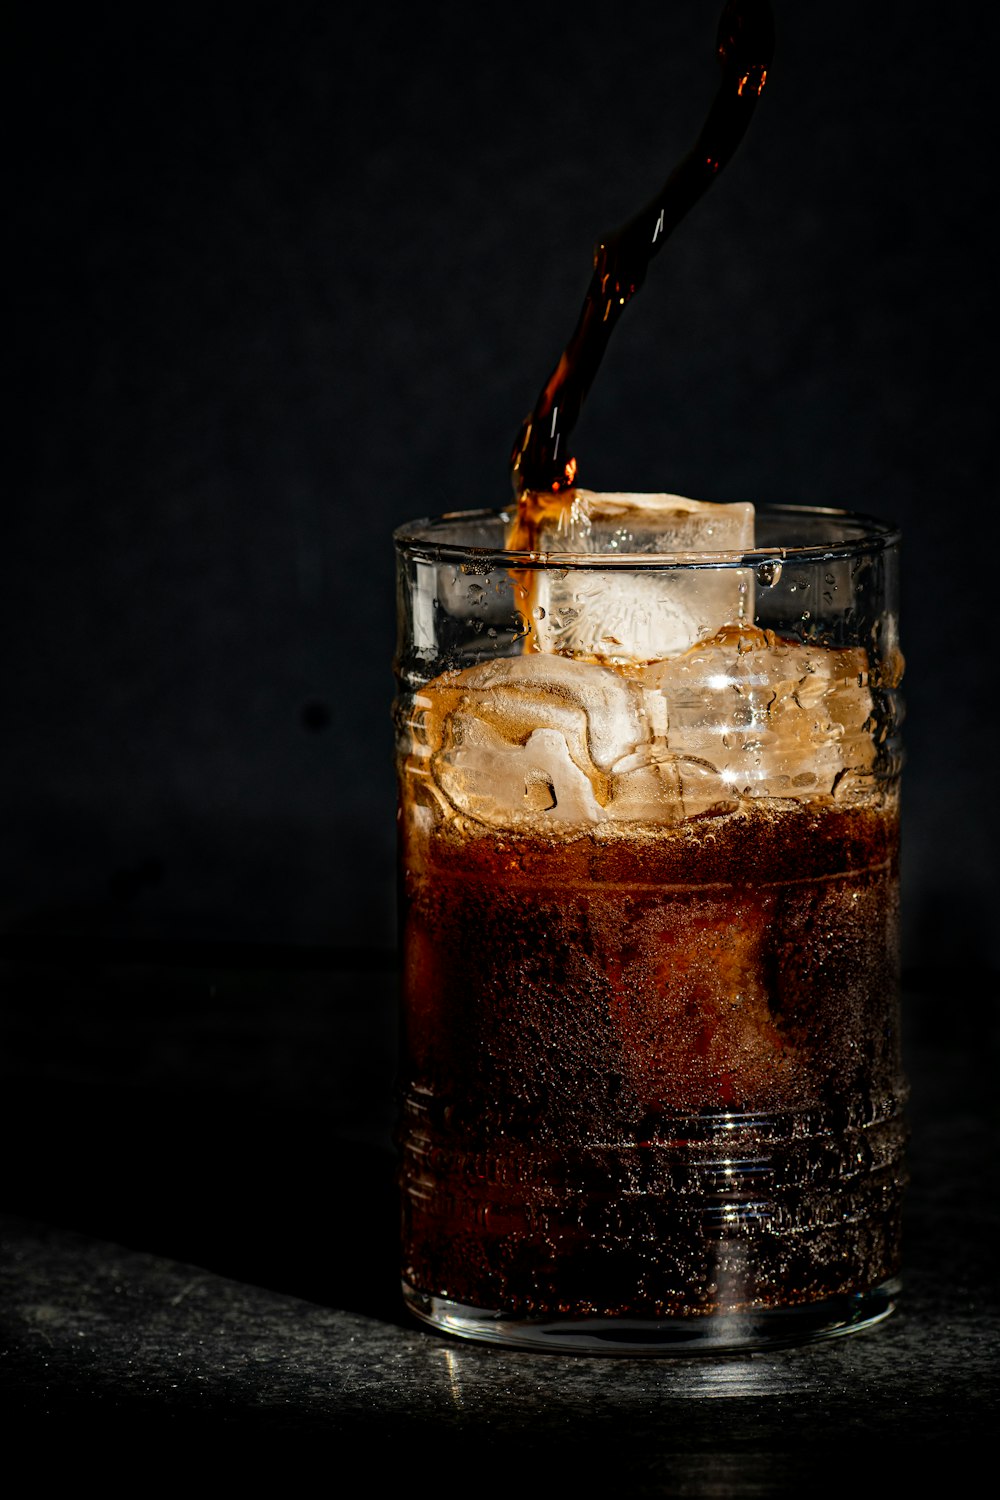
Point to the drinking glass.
(650, 1091)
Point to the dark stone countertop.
(199, 1241)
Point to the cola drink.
(650, 1087)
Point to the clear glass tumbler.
(650, 1092)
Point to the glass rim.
(874, 535)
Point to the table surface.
(199, 1239)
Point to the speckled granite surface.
(200, 1243)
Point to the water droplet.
(768, 573)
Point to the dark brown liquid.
(541, 460)
(626, 1062)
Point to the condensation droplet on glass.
(768, 573)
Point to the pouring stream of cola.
(542, 468)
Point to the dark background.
(292, 275)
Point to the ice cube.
(646, 787)
(527, 740)
(559, 745)
(750, 714)
(508, 785)
(635, 615)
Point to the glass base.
(720, 1333)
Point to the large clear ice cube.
(528, 741)
(750, 714)
(621, 614)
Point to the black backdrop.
(291, 275)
